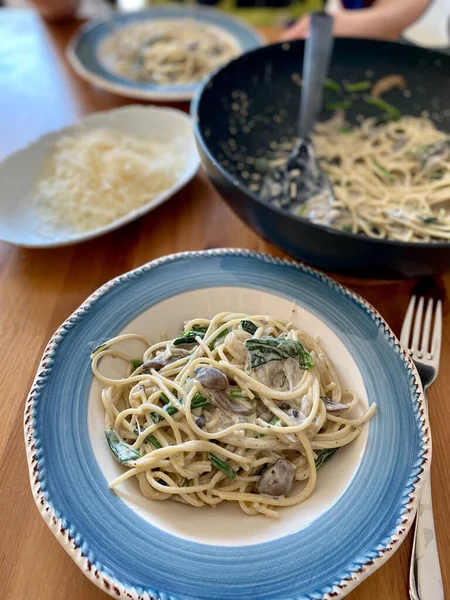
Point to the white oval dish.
(20, 222)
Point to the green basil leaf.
(199, 401)
(384, 106)
(332, 86)
(386, 174)
(264, 350)
(344, 129)
(152, 439)
(220, 464)
(358, 86)
(249, 326)
(332, 106)
(170, 410)
(164, 399)
(324, 455)
(430, 220)
(121, 451)
(136, 363)
(221, 335)
(188, 337)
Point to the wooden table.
(40, 288)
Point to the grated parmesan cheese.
(97, 176)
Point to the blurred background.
(430, 30)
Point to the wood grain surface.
(40, 288)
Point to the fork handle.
(425, 579)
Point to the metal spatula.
(301, 178)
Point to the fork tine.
(437, 333)
(407, 322)
(427, 328)
(417, 325)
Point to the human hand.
(298, 30)
(362, 23)
(55, 10)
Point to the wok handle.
(316, 63)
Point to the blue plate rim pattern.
(161, 93)
(72, 540)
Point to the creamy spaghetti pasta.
(390, 180)
(236, 408)
(168, 52)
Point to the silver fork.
(425, 579)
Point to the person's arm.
(54, 10)
(386, 19)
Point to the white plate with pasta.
(161, 53)
(221, 382)
(242, 422)
(93, 177)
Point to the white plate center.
(227, 525)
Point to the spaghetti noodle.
(237, 408)
(390, 180)
(168, 52)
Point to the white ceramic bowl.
(20, 222)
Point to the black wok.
(267, 76)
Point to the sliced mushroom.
(435, 155)
(224, 403)
(334, 407)
(293, 373)
(186, 346)
(200, 421)
(212, 379)
(215, 383)
(235, 345)
(278, 379)
(157, 363)
(279, 374)
(386, 84)
(179, 352)
(277, 480)
(266, 416)
(271, 374)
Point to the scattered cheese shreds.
(97, 176)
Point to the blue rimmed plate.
(131, 547)
(85, 49)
